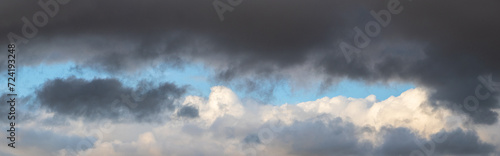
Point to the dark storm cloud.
(461, 142)
(338, 137)
(402, 141)
(188, 111)
(324, 137)
(160, 28)
(441, 45)
(334, 136)
(398, 141)
(105, 98)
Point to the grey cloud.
(188, 111)
(105, 98)
(163, 29)
(193, 130)
(441, 45)
(252, 139)
(399, 141)
(315, 137)
(402, 141)
(6, 154)
(51, 141)
(461, 142)
(324, 135)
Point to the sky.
(238, 77)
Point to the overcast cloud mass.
(447, 49)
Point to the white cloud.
(348, 125)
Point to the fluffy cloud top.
(225, 125)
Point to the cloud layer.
(447, 49)
(225, 125)
(442, 48)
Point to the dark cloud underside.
(106, 98)
(442, 45)
(339, 137)
(188, 111)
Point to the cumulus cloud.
(312, 128)
(228, 126)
